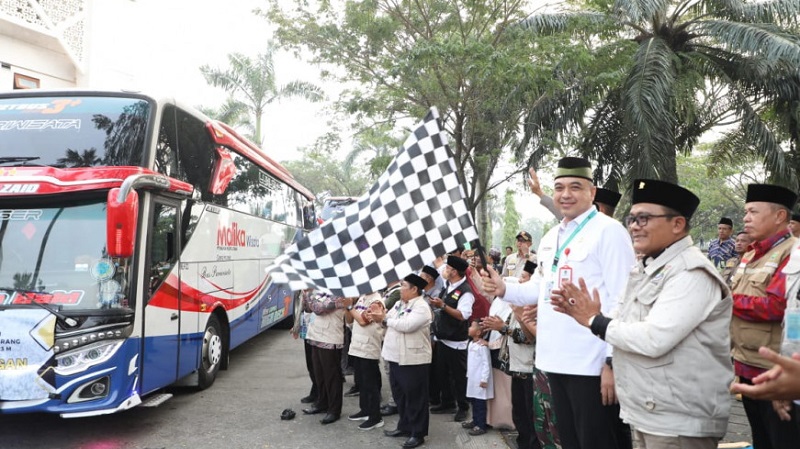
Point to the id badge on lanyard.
(565, 271)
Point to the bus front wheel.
(212, 353)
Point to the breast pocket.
(757, 283)
(360, 340)
(649, 291)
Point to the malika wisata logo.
(234, 236)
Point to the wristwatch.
(350, 307)
(609, 362)
(504, 329)
(383, 322)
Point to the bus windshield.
(57, 256)
(69, 132)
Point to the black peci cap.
(607, 196)
(726, 221)
(433, 272)
(665, 194)
(416, 281)
(770, 193)
(458, 263)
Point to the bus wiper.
(11, 159)
(71, 322)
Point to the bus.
(134, 236)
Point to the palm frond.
(641, 11)
(765, 40)
(646, 101)
(553, 23)
(785, 12)
(606, 142)
(302, 89)
(761, 141)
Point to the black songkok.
(416, 281)
(458, 263)
(665, 194)
(433, 272)
(606, 196)
(769, 193)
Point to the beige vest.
(366, 340)
(752, 280)
(328, 328)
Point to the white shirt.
(602, 254)
(465, 302)
(479, 369)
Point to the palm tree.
(86, 158)
(252, 83)
(234, 113)
(681, 67)
(377, 141)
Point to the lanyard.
(569, 239)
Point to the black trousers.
(310, 367)
(451, 373)
(328, 372)
(583, 422)
(410, 390)
(768, 431)
(369, 378)
(434, 391)
(522, 412)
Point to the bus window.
(166, 161)
(184, 150)
(246, 192)
(196, 152)
(163, 253)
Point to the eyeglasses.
(642, 219)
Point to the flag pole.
(481, 254)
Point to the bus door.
(162, 314)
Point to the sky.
(159, 45)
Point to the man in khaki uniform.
(516, 262)
(759, 301)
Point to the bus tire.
(211, 353)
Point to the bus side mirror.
(121, 223)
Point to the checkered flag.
(414, 213)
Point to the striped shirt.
(719, 252)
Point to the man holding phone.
(597, 248)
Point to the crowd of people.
(607, 335)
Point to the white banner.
(26, 347)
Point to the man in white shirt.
(596, 247)
(452, 308)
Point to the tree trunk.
(669, 172)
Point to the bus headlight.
(71, 362)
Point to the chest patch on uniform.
(456, 294)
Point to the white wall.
(33, 54)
